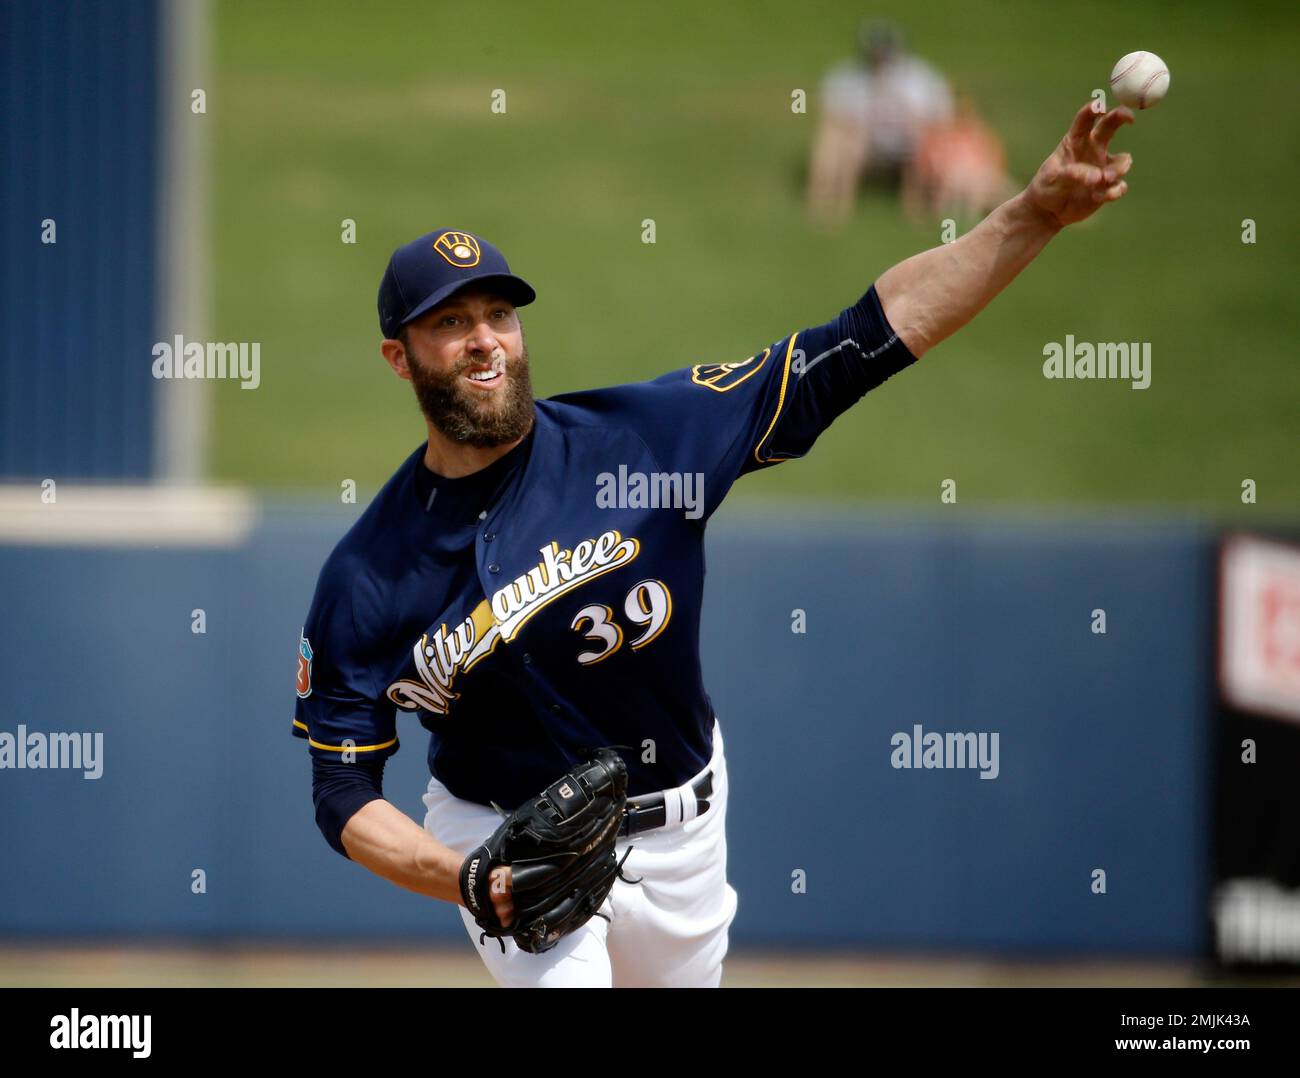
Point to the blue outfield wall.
(956, 624)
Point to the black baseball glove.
(560, 849)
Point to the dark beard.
(452, 407)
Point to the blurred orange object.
(959, 166)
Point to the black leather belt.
(648, 811)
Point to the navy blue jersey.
(563, 612)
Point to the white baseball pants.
(668, 931)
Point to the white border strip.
(181, 406)
(134, 516)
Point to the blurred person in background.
(959, 168)
(874, 109)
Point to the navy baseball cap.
(423, 273)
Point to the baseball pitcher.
(527, 586)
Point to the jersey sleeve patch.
(304, 668)
(337, 711)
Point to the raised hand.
(1081, 174)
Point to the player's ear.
(394, 353)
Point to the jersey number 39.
(647, 604)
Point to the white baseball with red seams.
(1140, 80)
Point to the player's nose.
(482, 339)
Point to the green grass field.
(681, 113)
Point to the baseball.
(1140, 80)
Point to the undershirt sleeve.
(339, 789)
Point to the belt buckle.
(628, 826)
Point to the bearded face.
(470, 416)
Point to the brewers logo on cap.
(459, 248)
